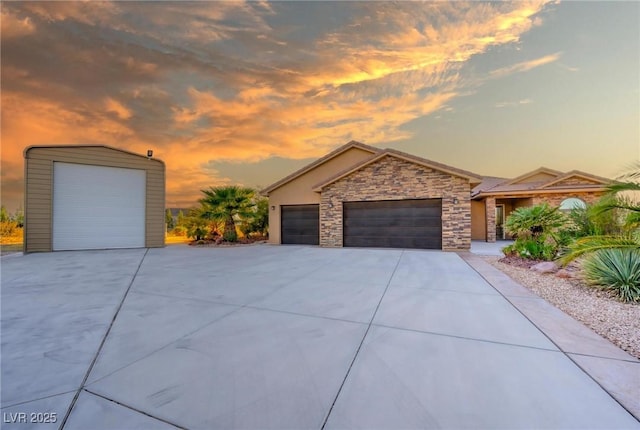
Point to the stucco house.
(362, 196)
(495, 198)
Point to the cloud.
(513, 104)
(238, 81)
(525, 66)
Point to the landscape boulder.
(545, 267)
(564, 273)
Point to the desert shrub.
(532, 249)
(230, 236)
(537, 230)
(617, 270)
(257, 221)
(179, 231)
(593, 221)
(197, 227)
(7, 228)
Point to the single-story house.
(495, 198)
(362, 196)
(92, 197)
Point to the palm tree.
(618, 198)
(225, 204)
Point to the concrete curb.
(616, 371)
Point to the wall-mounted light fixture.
(273, 208)
(149, 153)
(455, 200)
(331, 204)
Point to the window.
(572, 203)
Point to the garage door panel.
(393, 224)
(394, 231)
(379, 222)
(97, 207)
(300, 224)
(395, 242)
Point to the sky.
(247, 92)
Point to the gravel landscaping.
(619, 322)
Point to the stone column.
(490, 215)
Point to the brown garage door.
(300, 224)
(393, 224)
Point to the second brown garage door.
(393, 224)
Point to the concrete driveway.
(296, 337)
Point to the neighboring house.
(495, 198)
(363, 196)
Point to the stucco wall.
(300, 190)
(391, 178)
(478, 222)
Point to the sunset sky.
(247, 92)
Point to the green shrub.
(617, 270)
(593, 221)
(532, 249)
(230, 236)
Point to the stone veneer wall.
(490, 209)
(391, 178)
(556, 199)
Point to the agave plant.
(615, 269)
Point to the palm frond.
(619, 187)
(591, 244)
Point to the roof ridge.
(339, 150)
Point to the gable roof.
(472, 177)
(553, 185)
(599, 180)
(112, 148)
(487, 183)
(319, 161)
(538, 171)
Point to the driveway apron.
(281, 337)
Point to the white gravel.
(604, 313)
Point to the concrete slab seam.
(475, 339)
(239, 307)
(104, 338)
(355, 356)
(38, 399)
(134, 409)
(592, 377)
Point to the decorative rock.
(563, 273)
(545, 267)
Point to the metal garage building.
(92, 197)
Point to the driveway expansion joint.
(134, 409)
(474, 339)
(104, 339)
(355, 356)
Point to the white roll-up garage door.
(96, 207)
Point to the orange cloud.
(525, 66)
(206, 81)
